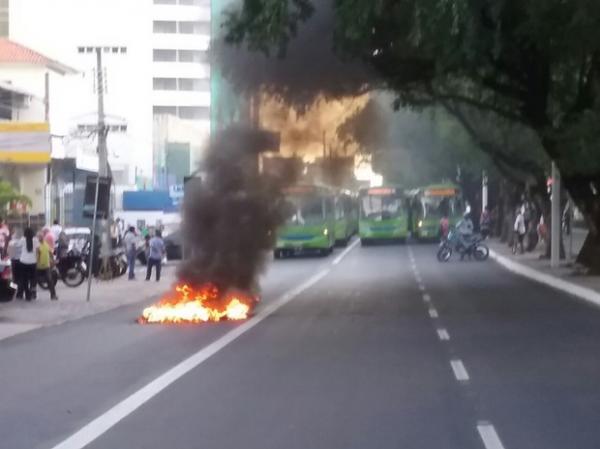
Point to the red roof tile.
(11, 52)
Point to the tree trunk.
(585, 195)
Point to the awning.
(17, 90)
(25, 143)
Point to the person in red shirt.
(444, 226)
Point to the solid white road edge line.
(489, 436)
(339, 258)
(443, 334)
(104, 422)
(459, 370)
(587, 294)
(433, 313)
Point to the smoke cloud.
(230, 214)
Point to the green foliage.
(9, 194)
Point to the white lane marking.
(422, 287)
(104, 422)
(339, 258)
(419, 280)
(433, 313)
(489, 436)
(460, 372)
(443, 334)
(426, 297)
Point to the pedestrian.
(444, 226)
(520, 229)
(15, 246)
(56, 229)
(156, 253)
(485, 222)
(48, 237)
(45, 262)
(62, 246)
(28, 259)
(4, 237)
(130, 242)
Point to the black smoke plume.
(230, 214)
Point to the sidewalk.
(564, 278)
(20, 316)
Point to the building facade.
(155, 64)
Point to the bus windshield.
(305, 209)
(438, 206)
(380, 207)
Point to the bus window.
(306, 210)
(376, 207)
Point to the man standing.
(156, 252)
(45, 261)
(55, 229)
(520, 229)
(130, 242)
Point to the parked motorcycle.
(452, 243)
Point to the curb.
(586, 294)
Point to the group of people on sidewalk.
(154, 248)
(31, 256)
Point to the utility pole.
(555, 219)
(102, 172)
(484, 190)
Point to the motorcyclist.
(464, 229)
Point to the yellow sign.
(440, 192)
(25, 143)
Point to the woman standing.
(28, 259)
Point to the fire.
(190, 305)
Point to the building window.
(193, 112)
(195, 2)
(80, 49)
(164, 55)
(165, 84)
(165, 26)
(164, 110)
(193, 56)
(194, 27)
(195, 84)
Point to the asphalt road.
(386, 348)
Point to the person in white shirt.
(520, 228)
(56, 229)
(28, 259)
(130, 243)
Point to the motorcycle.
(452, 243)
(71, 269)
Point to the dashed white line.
(433, 313)
(107, 420)
(426, 297)
(443, 334)
(421, 287)
(339, 258)
(489, 436)
(460, 372)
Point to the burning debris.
(199, 306)
(230, 215)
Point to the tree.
(531, 63)
(8, 194)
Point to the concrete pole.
(102, 150)
(484, 190)
(555, 219)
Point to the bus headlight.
(325, 231)
(420, 223)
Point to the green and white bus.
(430, 204)
(310, 224)
(346, 217)
(384, 214)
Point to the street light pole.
(555, 220)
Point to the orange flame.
(198, 306)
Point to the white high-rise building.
(157, 79)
